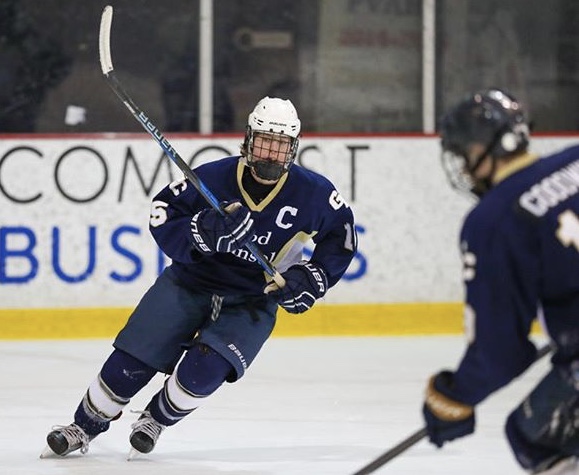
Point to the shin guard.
(199, 374)
(121, 377)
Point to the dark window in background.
(348, 65)
(257, 50)
(32, 62)
(368, 66)
(153, 46)
(528, 46)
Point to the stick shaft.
(393, 452)
(417, 436)
(153, 130)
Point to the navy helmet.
(489, 123)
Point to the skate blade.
(133, 454)
(563, 467)
(47, 453)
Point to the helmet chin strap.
(482, 185)
(267, 170)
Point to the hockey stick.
(418, 436)
(109, 73)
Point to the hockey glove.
(213, 232)
(305, 283)
(446, 419)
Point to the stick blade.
(105, 40)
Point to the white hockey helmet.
(274, 116)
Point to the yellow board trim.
(322, 320)
(373, 319)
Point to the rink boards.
(321, 320)
(76, 254)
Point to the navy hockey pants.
(170, 318)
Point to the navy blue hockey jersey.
(520, 249)
(303, 205)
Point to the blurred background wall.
(369, 79)
(350, 66)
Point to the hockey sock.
(121, 377)
(199, 374)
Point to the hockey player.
(208, 314)
(520, 251)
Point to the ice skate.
(66, 439)
(145, 433)
(566, 466)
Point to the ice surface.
(307, 406)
